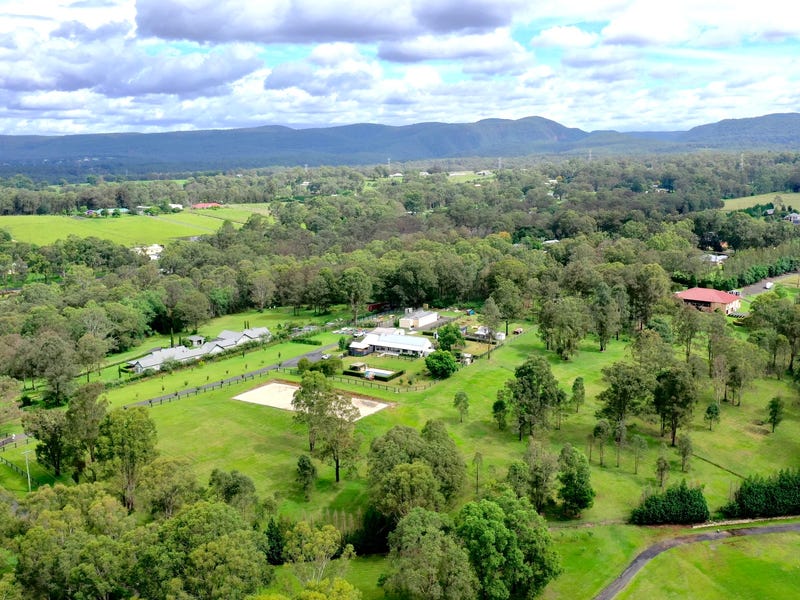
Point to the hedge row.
(775, 496)
(680, 504)
(308, 341)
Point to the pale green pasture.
(469, 177)
(777, 198)
(127, 230)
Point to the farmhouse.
(415, 319)
(198, 348)
(709, 300)
(393, 343)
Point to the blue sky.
(89, 66)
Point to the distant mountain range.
(75, 156)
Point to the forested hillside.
(75, 157)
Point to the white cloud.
(565, 36)
(122, 65)
(497, 43)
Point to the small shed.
(415, 319)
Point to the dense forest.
(579, 247)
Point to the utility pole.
(28, 468)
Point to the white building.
(415, 319)
(400, 345)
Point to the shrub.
(679, 504)
(308, 341)
(774, 496)
(328, 367)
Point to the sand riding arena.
(278, 394)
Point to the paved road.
(648, 554)
(758, 286)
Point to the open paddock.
(278, 394)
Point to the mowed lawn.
(763, 567)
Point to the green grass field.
(785, 198)
(738, 568)
(129, 230)
(126, 230)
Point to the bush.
(759, 496)
(328, 367)
(680, 504)
(308, 341)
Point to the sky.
(99, 66)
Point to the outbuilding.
(415, 319)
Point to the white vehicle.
(326, 356)
(768, 285)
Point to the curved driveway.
(648, 554)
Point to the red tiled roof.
(697, 294)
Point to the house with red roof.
(709, 300)
(202, 205)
